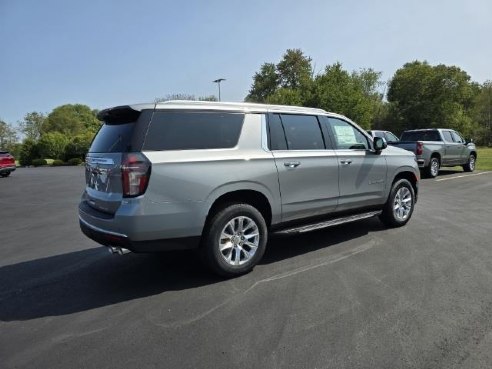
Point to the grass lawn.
(484, 159)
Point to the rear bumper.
(112, 239)
(7, 169)
(110, 231)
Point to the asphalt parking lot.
(354, 296)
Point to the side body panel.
(311, 187)
(363, 178)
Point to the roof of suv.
(213, 105)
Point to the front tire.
(234, 240)
(470, 166)
(400, 205)
(5, 174)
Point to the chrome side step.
(328, 223)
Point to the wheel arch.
(251, 197)
(436, 154)
(411, 177)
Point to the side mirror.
(379, 144)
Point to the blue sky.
(105, 53)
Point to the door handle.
(345, 161)
(292, 164)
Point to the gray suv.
(221, 177)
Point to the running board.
(328, 223)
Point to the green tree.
(52, 145)
(78, 146)
(432, 96)
(294, 70)
(291, 82)
(32, 124)
(293, 74)
(353, 94)
(265, 84)
(28, 152)
(8, 136)
(482, 114)
(286, 96)
(71, 120)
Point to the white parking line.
(463, 176)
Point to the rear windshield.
(421, 136)
(113, 138)
(193, 130)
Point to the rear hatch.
(6, 160)
(121, 135)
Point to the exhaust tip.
(118, 250)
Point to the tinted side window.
(302, 132)
(277, 135)
(447, 136)
(193, 130)
(457, 137)
(390, 137)
(113, 138)
(347, 136)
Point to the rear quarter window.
(193, 130)
(113, 138)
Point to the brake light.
(420, 148)
(135, 174)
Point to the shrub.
(58, 163)
(39, 162)
(78, 146)
(28, 152)
(52, 145)
(74, 161)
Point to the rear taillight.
(420, 148)
(135, 174)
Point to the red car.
(7, 163)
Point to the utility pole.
(490, 114)
(218, 83)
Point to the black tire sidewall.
(467, 166)
(210, 249)
(388, 215)
(429, 168)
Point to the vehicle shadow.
(449, 171)
(443, 172)
(284, 247)
(89, 279)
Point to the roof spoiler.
(118, 115)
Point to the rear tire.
(5, 174)
(234, 240)
(470, 166)
(432, 170)
(400, 205)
